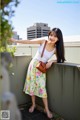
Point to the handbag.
(41, 66)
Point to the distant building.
(15, 36)
(37, 30)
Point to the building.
(37, 30)
(15, 36)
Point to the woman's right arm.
(27, 41)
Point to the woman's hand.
(12, 40)
(48, 65)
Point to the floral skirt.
(35, 83)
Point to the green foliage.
(8, 49)
(5, 3)
(6, 12)
(5, 33)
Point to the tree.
(6, 12)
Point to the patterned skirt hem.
(35, 94)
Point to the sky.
(64, 14)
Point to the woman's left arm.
(48, 65)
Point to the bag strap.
(43, 48)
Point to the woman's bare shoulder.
(43, 41)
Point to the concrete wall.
(17, 78)
(63, 86)
(72, 52)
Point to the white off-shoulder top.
(46, 56)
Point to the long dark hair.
(59, 45)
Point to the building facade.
(37, 30)
(16, 36)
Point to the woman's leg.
(49, 114)
(31, 109)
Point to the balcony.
(63, 86)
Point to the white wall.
(71, 43)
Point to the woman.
(35, 84)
